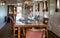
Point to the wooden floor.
(52, 35)
(6, 33)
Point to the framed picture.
(45, 6)
(37, 7)
(10, 9)
(57, 5)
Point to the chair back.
(34, 34)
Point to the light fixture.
(26, 2)
(2, 3)
(14, 8)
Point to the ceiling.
(13, 1)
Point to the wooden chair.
(35, 33)
(40, 31)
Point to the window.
(19, 15)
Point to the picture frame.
(37, 7)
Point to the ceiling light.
(26, 2)
(2, 3)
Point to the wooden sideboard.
(20, 30)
